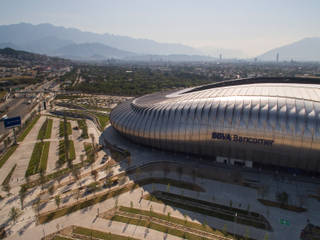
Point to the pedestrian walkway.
(22, 155)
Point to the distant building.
(277, 57)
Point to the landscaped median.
(281, 205)
(28, 128)
(212, 209)
(8, 154)
(166, 223)
(45, 130)
(61, 129)
(6, 181)
(84, 128)
(39, 158)
(75, 232)
(62, 152)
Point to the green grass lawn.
(103, 119)
(219, 211)
(38, 159)
(62, 152)
(28, 128)
(61, 238)
(8, 177)
(83, 126)
(44, 156)
(89, 152)
(8, 153)
(171, 219)
(158, 227)
(61, 129)
(45, 130)
(100, 235)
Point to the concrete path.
(54, 147)
(21, 156)
(77, 141)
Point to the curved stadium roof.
(267, 120)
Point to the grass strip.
(6, 156)
(171, 219)
(61, 238)
(83, 126)
(45, 130)
(220, 211)
(28, 128)
(282, 206)
(6, 181)
(89, 152)
(103, 119)
(98, 234)
(61, 129)
(157, 227)
(39, 158)
(62, 152)
(34, 162)
(44, 156)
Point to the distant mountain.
(90, 51)
(9, 45)
(307, 49)
(9, 53)
(49, 38)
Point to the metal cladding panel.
(269, 123)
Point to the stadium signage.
(241, 139)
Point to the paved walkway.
(53, 155)
(22, 155)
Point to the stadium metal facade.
(264, 120)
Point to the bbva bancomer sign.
(241, 139)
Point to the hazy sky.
(252, 26)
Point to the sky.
(252, 26)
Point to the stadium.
(256, 121)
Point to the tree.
(230, 203)
(37, 204)
(76, 173)
(51, 189)
(6, 188)
(14, 214)
(22, 194)
(82, 159)
(169, 214)
(131, 204)
(94, 174)
(57, 200)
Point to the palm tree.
(14, 214)
(22, 194)
(57, 200)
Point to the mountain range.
(74, 44)
(307, 49)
